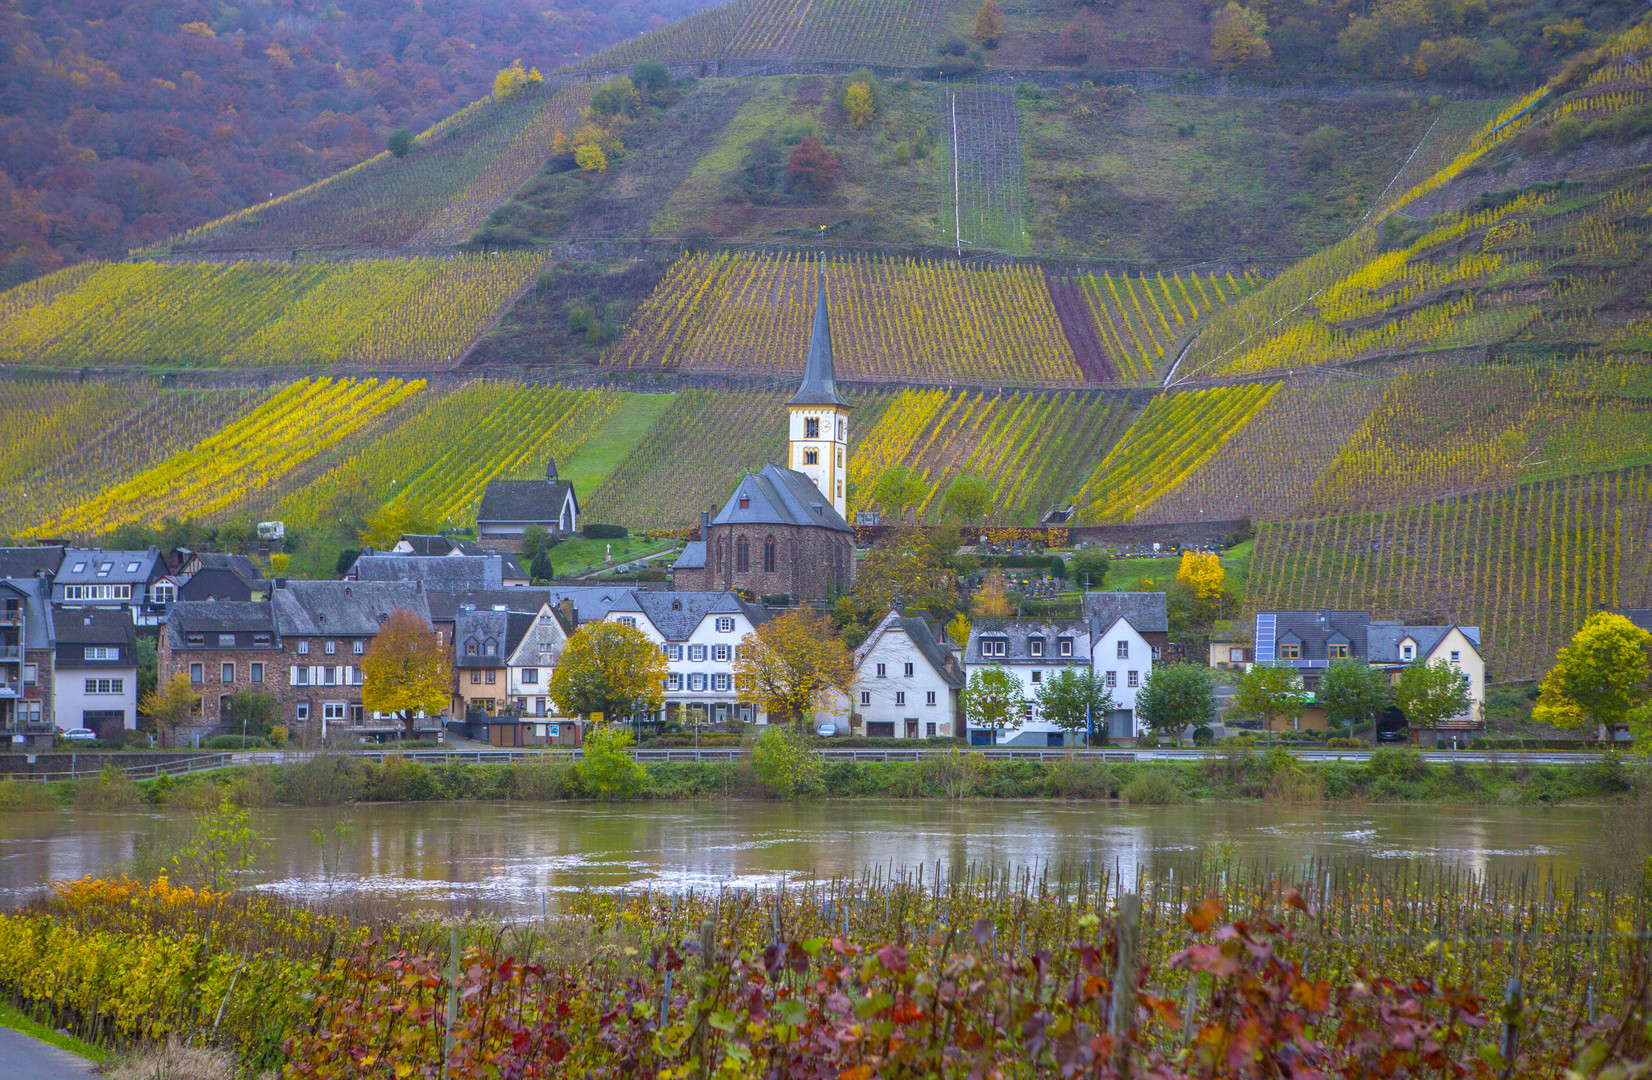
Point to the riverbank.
(1390, 776)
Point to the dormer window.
(470, 648)
(1064, 646)
(491, 648)
(995, 647)
(1035, 646)
(1338, 652)
(1291, 651)
(1408, 651)
(745, 501)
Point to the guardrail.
(727, 754)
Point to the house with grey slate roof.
(441, 573)
(906, 682)
(135, 582)
(1311, 641)
(26, 658)
(510, 506)
(95, 672)
(699, 633)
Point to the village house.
(26, 658)
(483, 641)
(906, 682)
(1032, 650)
(529, 668)
(136, 582)
(95, 671)
(1310, 641)
(699, 633)
(510, 506)
(215, 575)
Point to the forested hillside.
(122, 123)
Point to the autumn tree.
(1432, 692)
(1202, 573)
(515, 78)
(857, 102)
(812, 169)
(1236, 39)
(172, 704)
(969, 498)
(792, 665)
(989, 23)
(589, 157)
(1600, 678)
(908, 569)
(1075, 699)
(605, 767)
(407, 670)
(608, 668)
(390, 522)
(991, 600)
(899, 490)
(993, 699)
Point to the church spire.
(819, 386)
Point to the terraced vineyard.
(439, 460)
(1527, 564)
(100, 435)
(867, 31)
(987, 140)
(388, 201)
(371, 312)
(246, 459)
(1174, 436)
(1144, 320)
(1032, 449)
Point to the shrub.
(25, 795)
(235, 742)
(110, 791)
(1398, 763)
(400, 780)
(1075, 778)
(785, 763)
(543, 781)
(400, 142)
(1153, 787)
(324, 780)
(603, 532)
(606, 769)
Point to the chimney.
(567, 609)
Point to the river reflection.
(515, 857)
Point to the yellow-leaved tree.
(1201, 571)
(1236, 38)
(514, 78)
(589, 156)
(989, 23)
(792, 665)
(1601, 678)
(991, 600)
(857, 102)
(609, 668)
(407, 670)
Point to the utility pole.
(957, 216)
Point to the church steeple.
(819, 426)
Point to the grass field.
(606, 446)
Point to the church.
(783, 530)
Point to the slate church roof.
(777, 496)
(819, 386)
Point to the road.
(27, 1058)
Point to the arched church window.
(742, 555)
(768, 555)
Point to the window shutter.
(292, 676)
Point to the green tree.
(1088, 568)
(604, 768)
(406, 670)
(785, 763)
(1353, 693)
(1322, 147)
(253, 713)
(148, 664)
(616, 97)
(993, 699)
(1176, 696)
(1267, 691)
(541, 569)
(608, 668)
(1601, 677)
(1075, 699)
(969, 498)
(223, 848)
(400, 142)
(534, 538)
(1432, 692)
(650, 76)
(899, 490)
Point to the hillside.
(123, 124)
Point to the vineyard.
(900, 319)
(244, 459)
(869, 31)
(389, 201)
(437, 462)
(1527, 564)
(1174, 436)
(989, 214)
(371, 312)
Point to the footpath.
(27, 1058)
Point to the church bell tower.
(819, 427)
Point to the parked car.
(80, 734)
(826, 731)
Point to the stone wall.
(809, 563)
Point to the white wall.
(705, 635)
(1105, 654)
(70, 699)
(1469, 662)
(894, 649)
(1036, 728)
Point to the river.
(513, 858)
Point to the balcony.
(10, 653)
